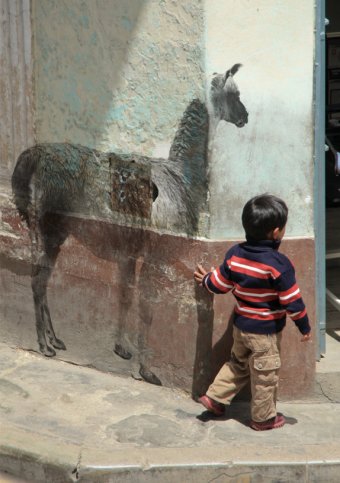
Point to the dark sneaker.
(212, 406)
(271, 423)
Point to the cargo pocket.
(266, 369)
(267, 363)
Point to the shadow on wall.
(209, 357)
(75, 50)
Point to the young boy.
(263, 283)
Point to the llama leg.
(143, 336)
(38, 280)
(144, 371)
(146, 297)
(45, 249)
(40, 275)
(55, 235)
(126, 271)
(56, 343)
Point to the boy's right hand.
(306, 337)
(199, 274)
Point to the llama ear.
(232, 71)
(229, 85)
(235, 69)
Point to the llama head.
(225, 98)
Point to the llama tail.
(21, 178)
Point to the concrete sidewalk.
(65, 423)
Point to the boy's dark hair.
(262, 214)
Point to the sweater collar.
(273, 244)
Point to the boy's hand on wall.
(199, 274)
(306, 337)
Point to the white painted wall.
(274, 41)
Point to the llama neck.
(189, 153)
(190, 143)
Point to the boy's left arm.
(291, 300)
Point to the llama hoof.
(149, 376)
(121, 352)
(58, 344)
(47, 351)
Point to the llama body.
(53, 181)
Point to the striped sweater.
(264, 285)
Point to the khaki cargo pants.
(254, 356)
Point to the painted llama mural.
(52, 182)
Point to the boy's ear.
(275, 233)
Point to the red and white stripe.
(255, 295)
(290, 295)
(297, 315)
(220, 282)
(251, 268)
(258, 313)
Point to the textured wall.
(116, 74)
(274, 151)
(114, 284)
(16, 98)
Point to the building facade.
(134, 78)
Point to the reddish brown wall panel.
(187, 333)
